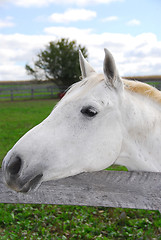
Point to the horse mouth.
(33, 184)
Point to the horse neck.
(141, 146)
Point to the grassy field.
(18, 221)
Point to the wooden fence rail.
(30, 92)
(139, 190)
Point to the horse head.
(83, 133)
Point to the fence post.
(11, 94)
(51, 90)
(32, 93)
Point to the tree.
(59, 62)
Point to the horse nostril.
(14, 165)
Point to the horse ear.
(110, 71)
(86, 68)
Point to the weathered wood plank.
(141, 190)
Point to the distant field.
(51, 222)
(23, 82)
(155, 81)
(145, 78)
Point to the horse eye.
(89, 111)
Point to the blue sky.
(129, 29)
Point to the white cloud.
(68, 32)
(7, 22)
(139, 55)
(16, 50)
(110, 19)
(73, 15)
(12, 72)
(133, 22)
(41, 3)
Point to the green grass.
(70, 222)
(18, 117)
(19, 221)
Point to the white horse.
(102, 120)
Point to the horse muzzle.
(14, 176)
